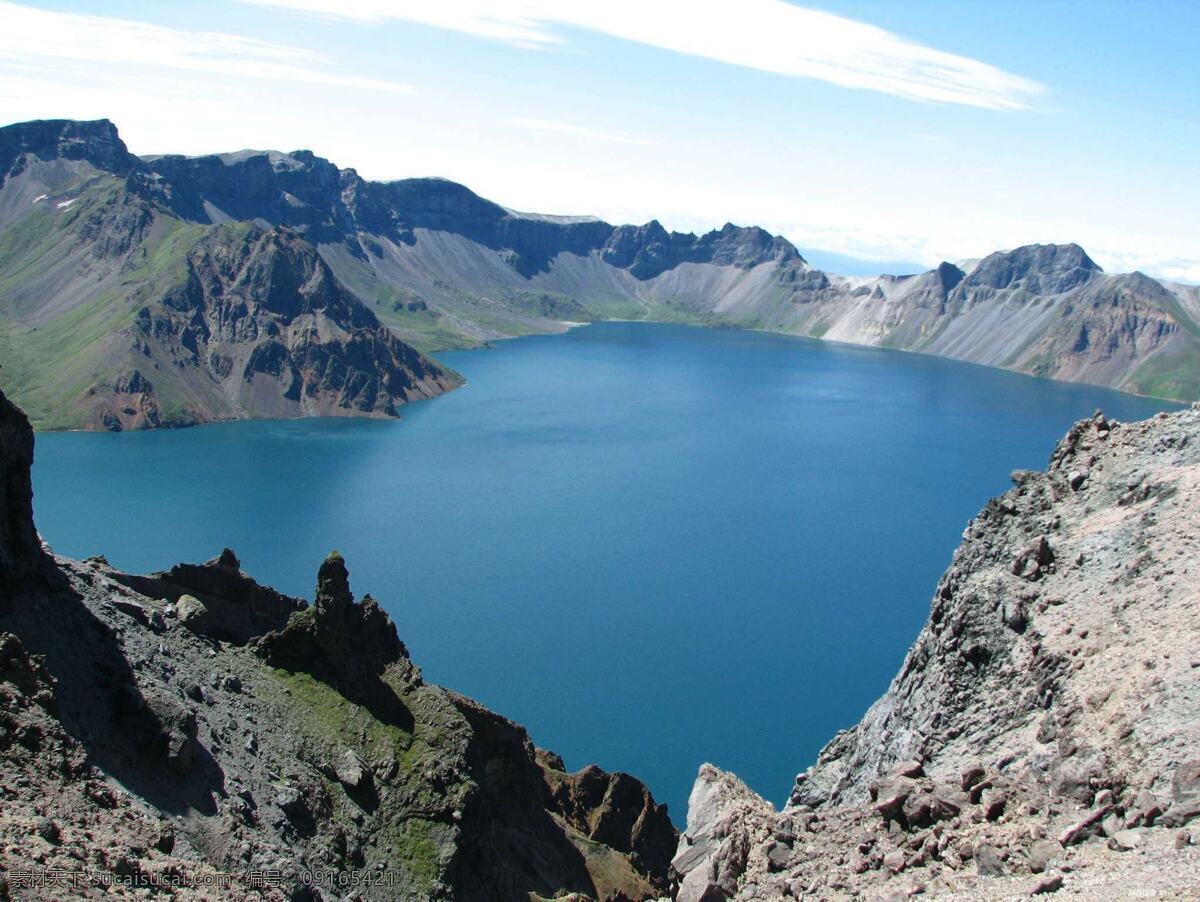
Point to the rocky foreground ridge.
(161, 290)
(193, 733)
(1043, 733)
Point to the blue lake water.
(652, 545)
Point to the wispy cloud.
(770, 35)
(30, 35)
(580, 131)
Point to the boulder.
(192, 613)
(1049, 884)
(291, 803)
(994, 802)
(1145, 811)
(988, 862)
(1087, 826)
(926, 808)
(889, 796)
(971, 775)
(164, 726)
(910, 769)
(352, 772)
(1185, 785)
(1041, 853)
(1032, 560)
(1126, 840)
(1179, 814)
(778, 856)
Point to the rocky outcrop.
(648, 251)
(1041, 269)
(351, 646)
(1043, 725)
(137, 318)
(216, 599)
(615, 810)
(260, 327)
(724, 817)
(95, 142)
(193, 728)
(20, 548)
(1043, 610)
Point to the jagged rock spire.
(333, 586)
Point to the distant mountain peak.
(1044, 268)
(95, 141)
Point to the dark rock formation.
(614, 809)
(1038, 268)
(217, 599)
(95, 142)
(649, 250)
(20, 548)
(260, 320)
(328, 204)
(350, 646)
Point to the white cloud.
(770, 35)
(579, 131)
(31, 35)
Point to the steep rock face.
(135, 318)
(724, 817)
(193, 723)
(648, 251)
(259, 327)
(95, 142)
(1038, 269)
(331, 205)
(263, 314)
(1045, 722)
(351, 646)
(1039, 632)
(613, 809)
(20, 548)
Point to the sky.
(876, 136)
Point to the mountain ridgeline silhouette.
(164, 290)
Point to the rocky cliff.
(90, 235)
(20, 548)
(1043, 733)
(195, 731)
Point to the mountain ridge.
(442, 267)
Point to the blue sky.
(900, 132)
